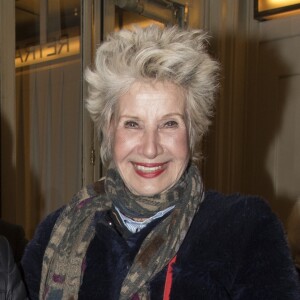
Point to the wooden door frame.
(90, 37)
(8, 110)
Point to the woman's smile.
(149, 170)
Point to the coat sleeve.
(34, 252)
(266, 269)
(11, 284)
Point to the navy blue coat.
(234, 249)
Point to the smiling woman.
(149, 230)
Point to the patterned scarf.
(64, 258)
(134, 206)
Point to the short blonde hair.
(152, 53)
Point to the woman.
(149, 230)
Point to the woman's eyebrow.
(174, 114)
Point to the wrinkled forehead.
(147, 92)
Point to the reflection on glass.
(145, 12)
(125, 19)
(49, 106)
(46, 30)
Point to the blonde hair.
(152, 53)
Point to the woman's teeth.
(148, 169)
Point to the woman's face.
(150, 140)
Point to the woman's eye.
(171, 124)
(131, 124)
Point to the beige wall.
(234, 42)
(253, 146)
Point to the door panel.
(49, 106)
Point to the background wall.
(253, 146)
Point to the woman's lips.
(149, 170)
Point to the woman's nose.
(150, 144)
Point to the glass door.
(48, 68)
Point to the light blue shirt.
(135, 226)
